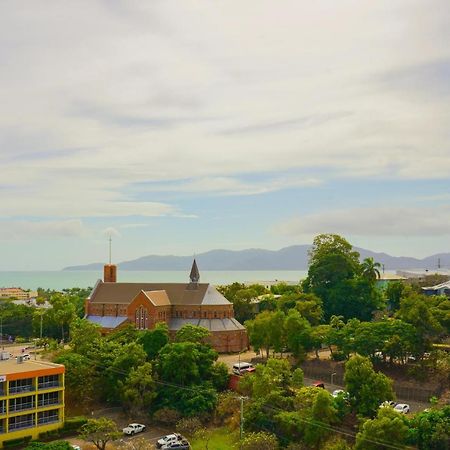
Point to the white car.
(338, 392)
(402, 408)
(133, 428)
(169, 439)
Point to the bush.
(189, 426)
(20, 442)
(74, 423)
(167, 416)
(19, 340)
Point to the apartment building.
(31, 397)
(17, 293)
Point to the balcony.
(49, 402)
(21, 425)
(21, 407)
(19, 389)
(47, 420)
(48, 385)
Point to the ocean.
(86, 278)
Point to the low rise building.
(17, 293)
(31, 398)
(113, 304)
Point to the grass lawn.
(222, 439)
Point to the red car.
(319, 384)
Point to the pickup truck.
(133, 428)
(180, 445)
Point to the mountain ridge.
(294, 257)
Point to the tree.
(389, 428)
(192, 333)
(220, 376)
(138, 390)
(82, 334)
(431, 429)
(266, 331)
(63, 310)
(322, 413)
(100, 432)
(366, 388)
(370, 269)
(259, 441)
(154, 340)
(298, 333)
(78, 369)
(334, 276)
(393, 293)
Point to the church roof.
(177, 293)
(158, 298)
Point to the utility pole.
(241, 428)
(42, 316)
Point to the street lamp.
(332, 375)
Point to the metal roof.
(107, 321)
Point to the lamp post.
(332, 375)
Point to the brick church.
(113, 304)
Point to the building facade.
(17, 293)
(113, 304)
(31, 398)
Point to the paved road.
(229, 360)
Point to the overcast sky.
(183, 126)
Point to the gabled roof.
(158, 298)
(177, 293)
(444, 285)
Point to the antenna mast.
(110, 241)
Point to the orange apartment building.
(31, 398)
(113, 304)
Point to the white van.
(243, 367)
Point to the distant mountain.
(288, 258)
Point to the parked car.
(319, 384)
(402, 408)
(180, 445)
(339, 392)
(133, 428)
(243, 367)
(75, 447)
(169, 439)
(387, 404)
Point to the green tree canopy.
(100, 432)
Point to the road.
(229, 360)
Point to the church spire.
(195, 274)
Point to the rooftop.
(10, 366)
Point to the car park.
(402, 408)
(133, 428)
(168, 440)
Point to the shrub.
(188, 426)
(74, 423)
(20, 442)
(167, 416)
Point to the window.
(25, 385)
(21, 403)
(48, 381)
(50, 398)
(25, 421)
(48, 417)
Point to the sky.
(177, 127)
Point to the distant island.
(294, 257)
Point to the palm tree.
(370, 269)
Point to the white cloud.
(376, 221)
(23, 229)
(99, 95)
(111, 232)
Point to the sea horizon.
(64, 279)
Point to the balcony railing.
(21, 425)
(49, 402)
(48, 385)
(18, 389)
(21, 406)
(51, 419)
